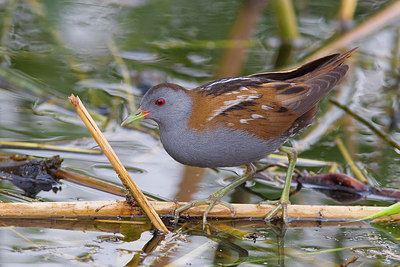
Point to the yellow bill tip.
(134, 117)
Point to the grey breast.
(223, 147)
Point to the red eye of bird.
(160, 102)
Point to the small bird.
(240, 120)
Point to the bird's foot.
(215, 198)
(212, 200)
(283, 202)
(280, 206)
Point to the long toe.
(189, 205)
(216, 197)
(211, 201)
(281, 206)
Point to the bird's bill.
(140, 115)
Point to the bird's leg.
(216, 197)
(284, 200)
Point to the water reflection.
(229, 243)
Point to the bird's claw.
(216, 197)
(280, 205)
(212, 200)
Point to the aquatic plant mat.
(115, 208)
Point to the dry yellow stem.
(115, 208)
(49, 147)
(353, 166)
(116, 163)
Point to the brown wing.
(307, 71)
(262, 111)
(265, 107)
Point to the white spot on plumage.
(244, 88)
(230, 103)
(266, 107)
(227, 104)
(249, 97)
(257, 116)
(245, 120)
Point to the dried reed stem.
(114, 208)
(116, 163)
(48, 147)
(353, 166)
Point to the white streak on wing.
(245, 120)
(226, 80)
(227, 104)
(230, 103)
(266, 107)
(293, 99)
(244, 88)
(257, 116)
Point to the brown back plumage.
(267, 104)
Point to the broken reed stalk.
(117, 208)
(116, 163)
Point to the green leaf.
(393, 209)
